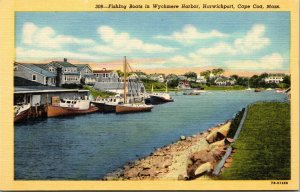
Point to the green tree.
(287, 80)
(205, 74)
(120, 73)
(218, 71)
(191, 75)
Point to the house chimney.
(58, 75)
(65, 59)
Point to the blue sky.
(251, 41)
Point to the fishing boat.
(126, 107)
(21, 112)
(67, 107)
(108, 105)
(160, 97)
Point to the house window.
(33, 77)
(51, 69)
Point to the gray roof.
(38, 69)
(43, 89)
(81, 66)
(91, 76)
(62, 63)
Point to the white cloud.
(273, 61)
(253, 41)
(188, 61)
(218, 48)
(115, 42)
(46, 37)
(189, 34)
(38, 54)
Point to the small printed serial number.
(279, 182)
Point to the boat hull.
(159, 100)
(56, 111)
(132, 109)
(105, 108)
(22, 116)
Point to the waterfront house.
(106, 75)
(224, 81)
(33, 72)
(200, 79)
(86, 74)
(157, 77)
(274, 78)
(184, 84)
(66, 72)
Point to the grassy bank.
(229, 88)
(263, 147)
(96, 93)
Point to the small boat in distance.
(278, 90)
(160, 97)
(21, 112)
(66, 107)
(130, 107)
(257, 90)
(108, 105)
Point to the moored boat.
(21, 112)
(68, 107)
(133, 108)
(159, 97)
(108, 105)
(130, 107)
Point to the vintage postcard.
(149, 95)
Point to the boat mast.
(125, 71)
(166, 86)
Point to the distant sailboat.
(248, 89)
(131, 107)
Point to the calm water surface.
(89, 146)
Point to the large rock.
(147, 173)
(217, 144)
(131, 173)
(204, 168)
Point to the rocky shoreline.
(192, 157)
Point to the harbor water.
(88, 147)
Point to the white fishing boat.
(108, 105)
(160, 97)
(21, 112)
(66, 107)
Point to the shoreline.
(176, 161)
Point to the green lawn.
(96, 93)
(263, 147)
